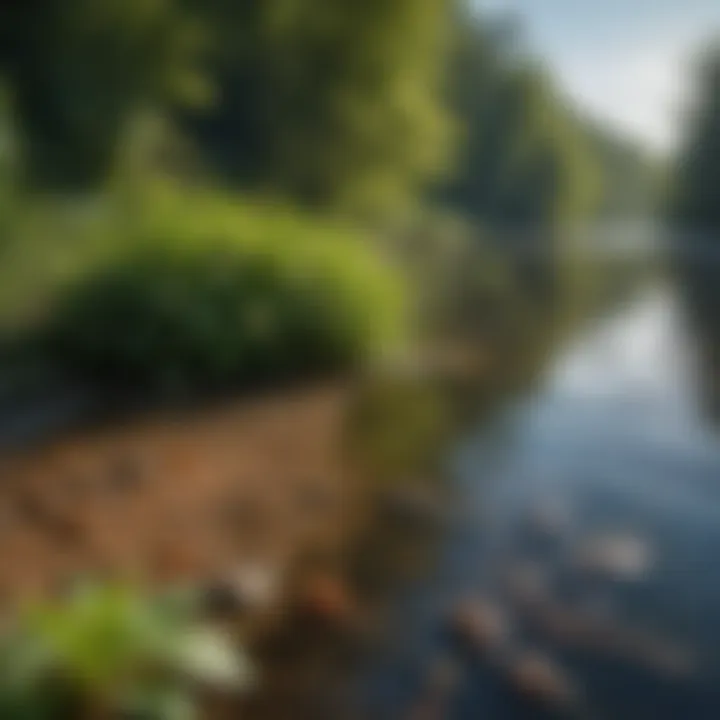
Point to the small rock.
(481, 624)
(247, 588)
(538, 677)
(617, 556)
(326, 597)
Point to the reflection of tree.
(696, 219)
(390, 553)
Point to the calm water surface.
(612, 445)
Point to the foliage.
(79, 69)
(695, 223)
(524, 163)
(330, 103)
(111, 649)
(334, 104)
(695, 207)
(525, 171)
(8, 162)
(203, 293)
(463, 282)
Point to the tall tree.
(525, 170)
(695, 207)
(334, 103)
(524, 162)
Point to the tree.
(525, 170)
(80, 68)
(524, 163)
(695, 218)
(696, 206)
(336, 104)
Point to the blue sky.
(624, 60)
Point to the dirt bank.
(176, 497)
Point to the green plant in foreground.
(111, 652)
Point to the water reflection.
(590, 518)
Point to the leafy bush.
(202, 292)
(108, 651)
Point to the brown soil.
(176, 498)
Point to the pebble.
(537, 677)
(481, 624)
(326, 597)
(617, 556)
(250, 587)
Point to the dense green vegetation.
(696, 195)
(384, 144)
(524, 164)
(696, 206)
(208, 293)
(695, 218)
(333, 104)
(327, 102)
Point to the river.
(588, 514)
(578, 531)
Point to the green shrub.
(203, 293)
(113, 652)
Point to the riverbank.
(177, 497)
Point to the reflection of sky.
(617, 420)
(638, 359)
(621, 59)
(618, 413)
(625, 390)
